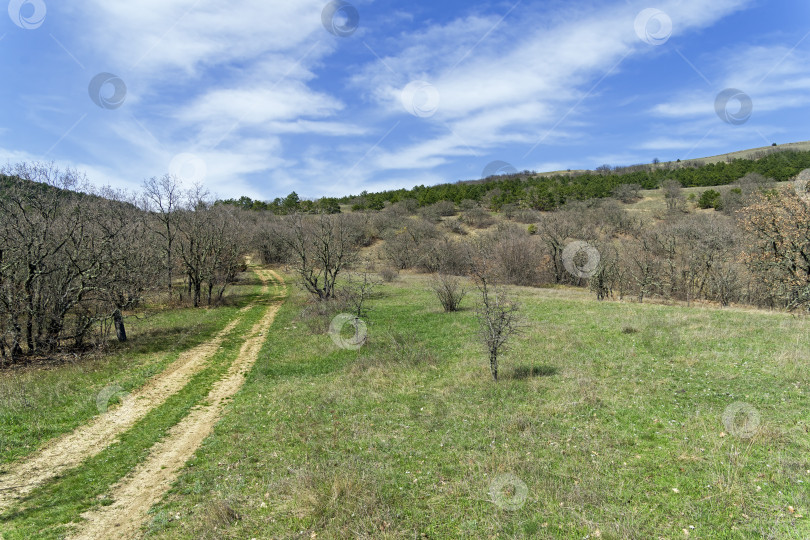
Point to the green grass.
(609, 415)
(37, 404)
(45, 512)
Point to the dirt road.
(149, 481)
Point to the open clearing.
(612, 420)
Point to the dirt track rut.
(149, 481)
(70, 450)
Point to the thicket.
(75, 259)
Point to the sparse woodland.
(74, 260)
(753, 252)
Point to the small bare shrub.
(446, 256)
(389, 274)
(499, 319)
(449, 291)
(455, 226)
(359, 288)
(527, 216)
(445, 208)
(477, 218)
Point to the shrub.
(445, 208)
(710, 199)
(467, 204)
(509, 210)
(389, 274)
(627, 193)
(405, 248)
(449, 291)
(517, 255)
(430, 213)
(455, 226)
(444, 255)
(527, 216)
(477, 218)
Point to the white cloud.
(238, 84)
(516, 84)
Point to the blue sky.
(259, 98)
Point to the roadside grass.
(39, 403)
(48, 510)
(608, 422)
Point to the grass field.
(39, 404)
(608, 422)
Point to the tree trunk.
(120, 330)
(169, 257)
(493, 364)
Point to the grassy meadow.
(611, 420)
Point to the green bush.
(710, 199)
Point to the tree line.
(547, 192)
(74, 259)
(530, 190)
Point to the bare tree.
(129, 259)
(554, 230)
(780, 253)
(644, 266)
(322, 248)
(210, 244)
(498, 319)
(163, 198)
(497, 313)
(69, 260)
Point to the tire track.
(70, 450)
(147, 483)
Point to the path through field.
(72, 449)
(145, 485)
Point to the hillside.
(549, 190)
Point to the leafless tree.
(554, 230)
(607, 275)
(322, 248)
(497, 312)
(210, 244)
(129, 259)
(69, 259)
(780, 252)
(162, 198)
(644, 265)
(498, 319)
